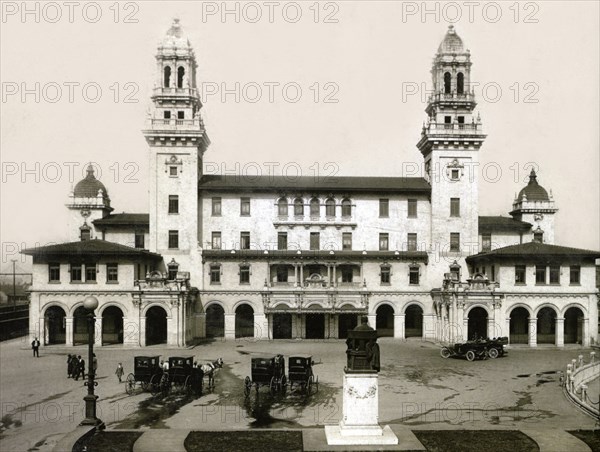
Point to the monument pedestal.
(359, 424)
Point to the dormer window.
(538, 235)
(172, 268)
(85, 232)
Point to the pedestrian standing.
(80, 370)
(69, 365)
(35, 346)
(119, 372)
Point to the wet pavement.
(417, 387)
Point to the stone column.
(585, 334)
(39, 329)
(334, 275)
(301, 275)
(229, 326)
(329, 276)
(142, 330)
(507, 331)
(98, 331)
(532, 331)
(69, 330)
(171, 331)
(296, 274)
(465, 329)
(399, 326)
(560, 332)
(261, 327)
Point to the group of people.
(76, 366)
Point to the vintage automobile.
(147, 373)
(300, 374)
(479, 348)
(182, 376)
(266, 371)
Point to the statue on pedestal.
(363, 350)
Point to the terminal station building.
(282, 258)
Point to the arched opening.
(80, 331)
(384, 321)
(55, 325)
(215, 321)
(315, 207)
(574, 326)
(282, 207)
(112, 325)
(282, 326)
(156, 326)
(180, 74)
(329, 207)
(546, 326)
(346, 208)
(447, 83)
(298, 207)
(346, 322)
(477, 323)
(244, 321)
(519, 326)
(460, 83)
(315, 326)
(413, 321)
(167, 77)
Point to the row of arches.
(314, 207)
(460, 83)
(167, 76)
(545, 330)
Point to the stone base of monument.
(360, 413)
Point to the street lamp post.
(91, 303)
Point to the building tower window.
(173, 239)
(455, 206)
(167, 76)
(215, 274)
(85, 232)
(315, 241)
(244, 240)
(216, 207)
(329, 207)
(282, 207)
(346, 208)
(385, 275)
(460, 83)
(412, 208)
(413, 274)
(315, 207)
(447, 83)
(384, 241)
(245, 207)
(384, 208)
(347, 241)
(298, 207)
(139, 239)
(172, 270)
(520, 275)
(244, 274)
(216, 240)
(412, 241)
(173, 204)
(180, 74)
(538, 235)
(455, 241)
(282, 241)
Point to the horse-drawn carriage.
(182, 376)
(480, 349)
(147, 373)
(266, 371)
(300, 373)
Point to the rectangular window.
(282, 241)
(245, 274)
(139, 240)
(412, 208)
(540, 274)
(454, 241)
(245, 207)
(315, 207)
(384, 208)
(216, 240)
(172, 271)
(329, 208)
(385, 275)
(216, 207)
(54, 272)
(215, 274)
(454, 174)
(181, 115)
(282, 273)
(315, 241)
(347, 240)
(384, 242)
(173, 239)
(486, 242)
(90, 272)
(166, 114)
(75, 272)
(244, 240)
(520, 274)
(172, 171)
(555, 274)
(112, 273)
(575, 274)
(86, 234)
(455, 207)
(173, 204)
(412, 241)
(413, 275)
(347, 274)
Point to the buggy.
(300, 373)
(480, 348)
(182, 376)
(267, 371)
(147, 372)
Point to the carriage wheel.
(273, 385)
(187, 385)
(445, 352)
(247, 386)
(283, 384)
(309, 384)
(470, 355)
(154, 385)
(164, 384)
(130, 384)
(492, 353)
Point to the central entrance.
(282, 326)
(477, 325)
(156, 326)
(315, 326)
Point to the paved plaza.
(418, 389)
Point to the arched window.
(346, 208)
(180, 74)
(282, 207)
(315, 207)
(330, 207)
(460, 83)
(298, 207)
(167, 76)
(447, 83)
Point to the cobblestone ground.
(417, 387)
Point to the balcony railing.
(466, 96)
(177, 124)
(453, 128)
(193, 92)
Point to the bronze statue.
(363, 350)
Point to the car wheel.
(470, 355)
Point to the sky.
(330, 88)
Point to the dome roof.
(533, 190)
(88, 187)
(451, 43)
(175, 36)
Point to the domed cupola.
(533, 191)
(90, 187)
(451, 43)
